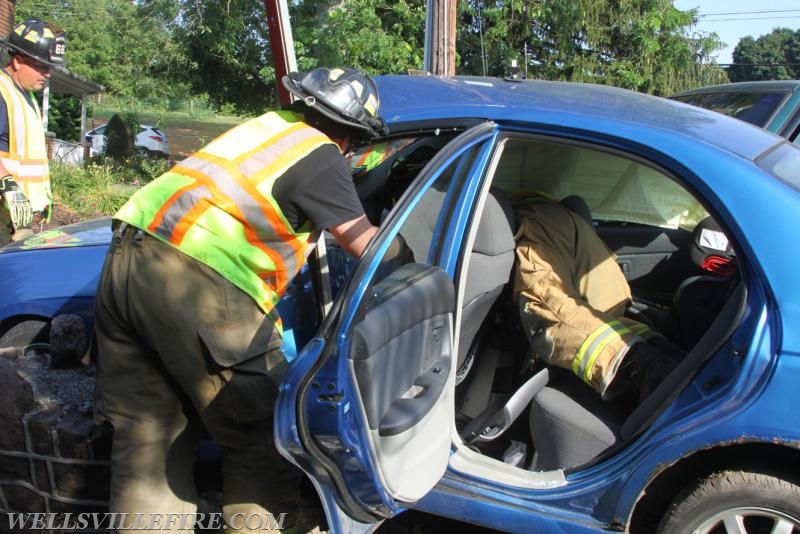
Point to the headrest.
(497, 226)
(711, 250)
(577, 204)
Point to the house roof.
(63, 81)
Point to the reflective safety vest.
(26, 158)
(217, 206)
(370, 156)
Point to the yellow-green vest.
(26, 158)
(217, 206)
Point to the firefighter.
(34, 47)
(186, 316)
(573, 296)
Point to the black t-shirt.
(318, 188)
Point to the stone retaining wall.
(52, 458)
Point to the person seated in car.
(573, 296)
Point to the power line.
(753, 18)
(759, 64)
(717, 13)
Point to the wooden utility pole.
(440, 37)
(7, 12)
(280, 39)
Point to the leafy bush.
(65, 117)
(99, 189)
(120, 137)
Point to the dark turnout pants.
(177, 341)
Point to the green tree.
(380, 37)
(775, 56)
(644, 45)
(176, 48)
(231, 59)
(227, 44)
(64, 117)
(125, 46)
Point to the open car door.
(374, 396)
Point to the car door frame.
(349, 504)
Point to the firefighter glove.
(19, 206)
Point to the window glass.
(423, 232)
(615, 188)
(755, 108)
(783, 162)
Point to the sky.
(734, 19)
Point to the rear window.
(783, 162)
(755, 108)
(616, 188)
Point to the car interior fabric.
(564, 432)
(410, 288)
(569, 427)
(490, 265)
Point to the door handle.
(407, 411)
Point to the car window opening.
(680, 269)
(659, 236)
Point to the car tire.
(736, 501)
(26, 333)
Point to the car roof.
(560, 105)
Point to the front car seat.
(490, 263)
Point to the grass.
(186, 132)
(101, 187)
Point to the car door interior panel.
(407, 306)
(655, 260)
(401, 360)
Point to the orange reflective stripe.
(185, 223)
(231, 184)
(213, 206)
(157, 225)
(364, 156)
(217, 184)
(280, 152)
(280, 141)
(186, 201)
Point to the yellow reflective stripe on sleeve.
(593, 346)
(638, 329)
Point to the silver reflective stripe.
(597, 341)
(182, 205)
(247, 205)
(266, 156)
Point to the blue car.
(410, 384)
(773, 105)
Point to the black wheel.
(26, 333)
(738, 502)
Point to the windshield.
(755, 108)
